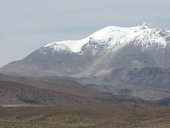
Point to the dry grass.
(84, 117)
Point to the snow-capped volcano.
(109, 48)
(114, 59)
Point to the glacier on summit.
(117, 37)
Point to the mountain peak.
(108, 48)
(119, 57)
(115, 36)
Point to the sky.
(26, 25)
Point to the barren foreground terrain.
(84, 117)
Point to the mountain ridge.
(139, 46)
(112, 33)
(123, 61)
